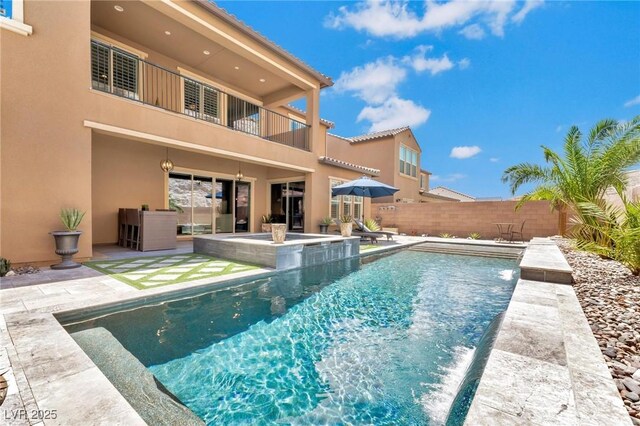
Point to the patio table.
(504, 228)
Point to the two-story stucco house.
(96, 94)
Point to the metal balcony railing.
(123, 74)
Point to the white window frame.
(140, 55)
(346, 204)
(410, 159)
(16, 22)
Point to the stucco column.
(313, 120)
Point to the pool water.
(381, 343)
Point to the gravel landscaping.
(610, 297)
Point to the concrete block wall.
(461, 219)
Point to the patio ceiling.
(146, 26)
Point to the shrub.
(327, 220)
(5, 266)
(474, 236)
(346, 218)
(267, 218)
(71, 218)
(446, 235)
(610, 232)
(372, 225)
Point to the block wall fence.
(461, 219)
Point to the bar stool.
(122, 227)
(133, 229)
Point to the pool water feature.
(344, 343)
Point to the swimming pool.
(385, 342)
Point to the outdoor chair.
(514, 232)
(133, 229)
(371, 236)
(361, 227)
(122, 227)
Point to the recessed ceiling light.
(262, 80)
(236, 67)
(206, 52)
(167, 32)
(118, 8)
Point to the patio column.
(313, 120)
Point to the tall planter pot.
(346, 229)
(66, 247)
(278, 232)
(266, 227)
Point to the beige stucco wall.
(382, 154)
(45, 150)
(462, 219)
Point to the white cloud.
(464, 63)
(632, 102)
(374, 82)
(473, 32)
(494, 159)
(462, 152)
(524, 11)
(393, 113)
(420, 62)
(559, 128)
(453, 177)
(386, 18)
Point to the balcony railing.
(123, 74)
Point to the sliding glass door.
(287, 204)
(208, 205)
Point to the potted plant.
(278, 232)
(67, 241)
(346, 225)
(324, 224)
(267, 220)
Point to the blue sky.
(487, 81)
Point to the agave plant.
(327, 220)
(586, 169)
(71, 218)
(446, 235)
(346, 218)
(267, 218)
(474, 236)
(372, 225)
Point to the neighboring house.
(395, 153)
(632, 192)
(450, 193)
(95, 94)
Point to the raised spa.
(298, 250)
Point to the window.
(422, 181)
(344, 204)
(201, 101)
(12, 17)
(408, 161)
(6, 8)
(114, 70)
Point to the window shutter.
(100, 66)
(125, 73)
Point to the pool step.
(461, 248)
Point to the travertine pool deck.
(546, 367)
(47, 372)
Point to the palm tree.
(587, 168)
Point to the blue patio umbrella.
(364, 187)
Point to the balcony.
(123, 74)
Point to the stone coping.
(319, 238)
(546, 366)
(543, 261)
(45, 368)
